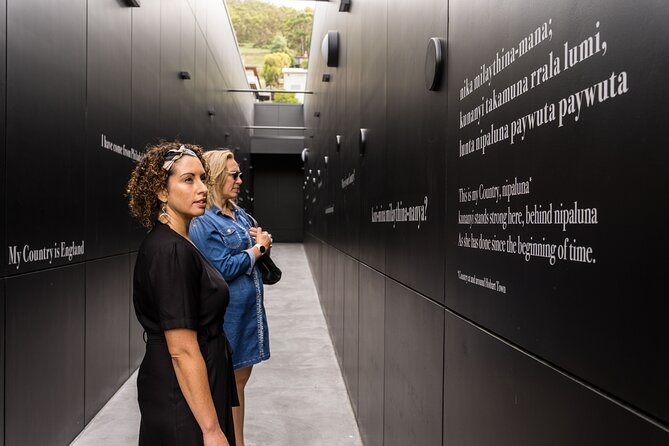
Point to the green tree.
(286, 98)
(258, 23)
(272, 66)
(279, 44)
(298, 30)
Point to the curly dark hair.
(148, 178)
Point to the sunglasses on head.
(235, 174)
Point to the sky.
(297, 4)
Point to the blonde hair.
(217, 161)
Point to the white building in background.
(295, 79)
(254, 82)
(252, 77)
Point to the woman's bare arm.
(191, 373)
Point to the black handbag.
(269, 272)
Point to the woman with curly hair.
(186, 386)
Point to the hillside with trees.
(258, 24)
(271, 38)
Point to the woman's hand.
(262, 237)
(216, 438)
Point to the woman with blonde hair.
(226, 236)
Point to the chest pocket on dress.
(232, 239)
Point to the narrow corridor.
(298, 397)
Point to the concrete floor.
(298, 397)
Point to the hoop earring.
(163, 217)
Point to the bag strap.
(254, 222)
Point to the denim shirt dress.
(227, 243)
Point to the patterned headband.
(174, 155)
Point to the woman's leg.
(242, 377)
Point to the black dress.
(176, 287)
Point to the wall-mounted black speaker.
(344, 5)
(434, 63)
(330, 48)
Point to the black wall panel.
(200, 10)
(311, 252)
(312, 247)
(337, 305)
(225, 56)
(330, 171)
(327, 269)
(226, 102)
(320, 265)
(330, 271)
(312, 183)
(277, 198)
(44, 368)
(324, 207)
(324, 140)
(109, 151)
(219, 37)
(237, 111)
(146, 85)
(146, 73)
(347, 158)
(215, 134)
(172, 88)
(201, 108)
(145, 89)
(107, 330)
(414, 340)
(415, 149)
(2, 360)
(373, 177)
(351, 333)
(310, 122)
(46, 94)
(189, 111)
(495, 394)
(319, 247)
(339, 232)
(372, 307)
(568, 292)
(3, 133)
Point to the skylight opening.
(274, 39)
